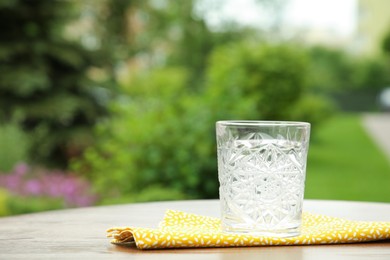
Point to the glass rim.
(261, 123)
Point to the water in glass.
(262, 185)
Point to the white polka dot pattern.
(180, 230)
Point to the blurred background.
(115, 101)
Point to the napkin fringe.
(122, 236)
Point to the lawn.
(345, 164)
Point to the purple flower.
(12, 183)
(33, 187)
(53, 184)
(21, 169)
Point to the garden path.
(378, 126)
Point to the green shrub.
(20, 205)
(256, 81)
(159, 137)
(314, 109)
(12, 204)
(151, 193)
(14, 145)
(352, 82)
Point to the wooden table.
(80, 233)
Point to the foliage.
(29, 190)
(330, 70)
(257, 81)
(352, 82)
(190, 41)
(152, 141)
(14, 146)
(313, 108)
(150, 193)
(386, 43)
(17, 204)
(264, 82)
(147, 34)
(56, 56)
(163, 134)
(44, 85)
(371, 74)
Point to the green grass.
(345, 164)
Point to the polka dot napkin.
(181, 230)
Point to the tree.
(386, 43)
(44, 84)
(148, 34)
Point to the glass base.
(291, 232)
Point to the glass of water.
(261, 171)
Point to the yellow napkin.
(181, 230)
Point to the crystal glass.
(261, 171)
